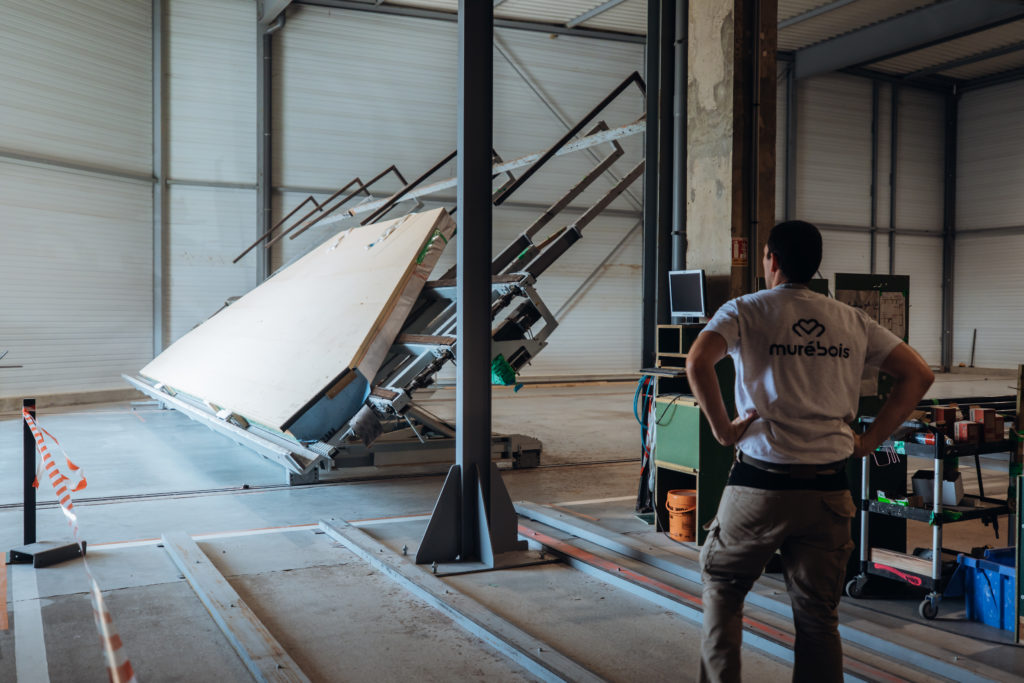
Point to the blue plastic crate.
(989, 589)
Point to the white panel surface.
(208, 228)
(920, 140)
(990, 158)
(212, 90)
(834, 150)
(844, 251)
(882, 252)
(987, 299)
(920, 257)
(76, 257)
(76, 82)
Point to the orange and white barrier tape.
(119, 668)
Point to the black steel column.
(649, 256)
(661, 155)
(473, 377)
(29, 474)
(667, 151)
(875, 88)
(264, 160)
(160, 213)
(893, 154)
(791, 123)
(949, 227)
(679, 112)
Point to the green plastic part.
(502, 374)
(430, 243)
(947, 516)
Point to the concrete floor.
(153, 471)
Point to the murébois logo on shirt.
(807, 344)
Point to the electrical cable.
(671, 403)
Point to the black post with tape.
(42, 553)
(28, 472)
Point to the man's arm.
(707, 350)
(913, 377)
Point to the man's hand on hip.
(860, 448)
(735, 429)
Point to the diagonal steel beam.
(583, 143)
(907, 32)
(590, 14)
(551, 106)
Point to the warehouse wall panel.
(920, 257)
(987, 299)
(400, 105)
(80, 87)
(920, 141)
(211, 88)
(834, 150)
(844, 251)
(76, 258)
(208, 228)
(990, 158)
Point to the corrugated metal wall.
(341, 114)
(75, 244)
(211, 109)
(920, 168)
(834, 150)
(990, 222)
(833, 187)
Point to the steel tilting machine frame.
(391, 428)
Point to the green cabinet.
(686, 454)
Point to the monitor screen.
(687, 293)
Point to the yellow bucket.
(682, 505)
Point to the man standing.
(799, 358)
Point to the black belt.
(795, 471)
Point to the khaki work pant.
(812, 531)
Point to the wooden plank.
(536, 656)
(901, 561)
(259, 650)
(286, 342)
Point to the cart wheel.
(855, 588)
(927, 609)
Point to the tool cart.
(930, 570)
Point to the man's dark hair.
(797, 246)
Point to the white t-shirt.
(799, 358)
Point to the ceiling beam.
(590, 14)
(540, 27)
(994, 79)
(964, 61)
(817, 11)
(911, 31)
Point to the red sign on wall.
(740, 251)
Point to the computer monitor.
(687, 293)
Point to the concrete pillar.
(730, 199)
